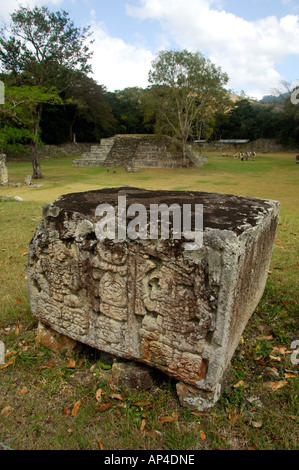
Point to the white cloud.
(247, 50)
(116, 64)
(6, 8)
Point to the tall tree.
(17, 115)
(39, 49)
(126, 105)
(187, 90)
(90, 105)
(250, 120)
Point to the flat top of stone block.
(220, 211)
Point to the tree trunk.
(71, 134)
(36, 117)
(184, 145)
(37, 172)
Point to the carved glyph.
(140, 304)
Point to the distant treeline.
(88, 112)
(105, 114)
(270, 118)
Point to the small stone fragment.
(131, 375)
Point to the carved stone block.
(152, 300)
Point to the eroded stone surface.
(151, 301)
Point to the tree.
(126, 105)
(249, 120)
(39, 50)
(91, 107)
(187, 90)
(18, 116)
(86, 113)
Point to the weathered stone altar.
(153, 301)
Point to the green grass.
(248, 415)
(270, 176)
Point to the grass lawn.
(38, 391)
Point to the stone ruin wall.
(260, 145)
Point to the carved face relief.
(113, 289)
(117, 257)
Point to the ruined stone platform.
(152, 301)
(139, 151)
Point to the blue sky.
(256, 42)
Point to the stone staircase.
(141, 151)
(122, 152)
(97, 155)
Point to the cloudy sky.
(255, 41)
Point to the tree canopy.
(41, 46)
(40, 49)
(187, 90)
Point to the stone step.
(97, 154)
(124, 147)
